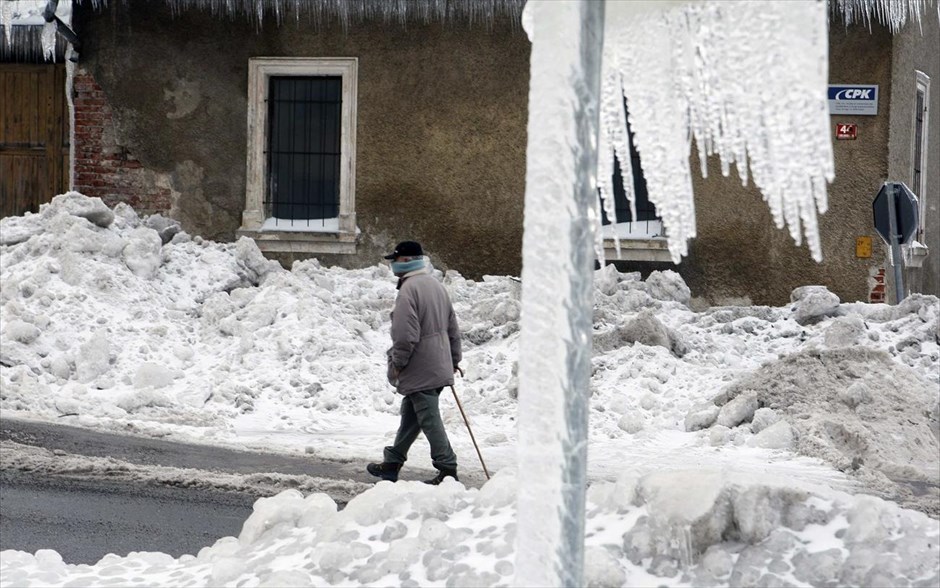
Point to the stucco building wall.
(441, 145)
(441, 123)
(918, 51)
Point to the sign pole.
(895, 246)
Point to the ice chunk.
(606, 279)
(500, 490)
(252, 264)
(281, 578)
(333, 556)
(719, 435)
(434, 533)
(286, 507)
(17, 229)
(155, 375)
(167, 228)
(80, 205)
(617, 496)
(94, 357)
(631, 423)
(763, 418)
(645, 328)
(668, 286)
(142, 252)
(777, 436)
(812, 304)
(857, 393)
(845, 331)
(601, 568)
(125, 216)
(701, 416)
(60, 368)
(738, 410)
(22, 331)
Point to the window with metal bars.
(303, 151)
(920, 146)
(918, 158)
(647, 222)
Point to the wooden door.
(34, 148)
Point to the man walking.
(425, 354)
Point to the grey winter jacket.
(425, 338)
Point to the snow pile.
(115, 322)
(855, 408)
(100, 315)
(125, 323)
(685, 528)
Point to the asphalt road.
(86, 518)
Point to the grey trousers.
(420, 414)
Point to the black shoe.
(385, 470)
(441, 474)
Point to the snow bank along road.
(26, 443)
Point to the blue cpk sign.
(855, 99)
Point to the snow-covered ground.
(736, 445)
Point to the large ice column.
(557, 279)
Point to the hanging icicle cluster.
(746, 80)
(25, 35)
(349, 12)
(893, 14)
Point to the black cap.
(406, 249)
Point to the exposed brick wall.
(876, 285)
(103, 168)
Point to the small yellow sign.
(863, 247)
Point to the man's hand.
(458, 370)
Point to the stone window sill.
(299, 242)
(654, 249)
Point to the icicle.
(893, 14)
(747, 81)
(70, 70)
(48, 40)
(6, 21)
(348, 12)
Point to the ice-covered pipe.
(557, 289)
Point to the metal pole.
(472, 438)
(895, 246)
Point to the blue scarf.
(403, 267)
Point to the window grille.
(918, 141)
(920, 146)
(304, 117)
(647, 221)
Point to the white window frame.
(922, 84)
(290, 239)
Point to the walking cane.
(472, 438)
